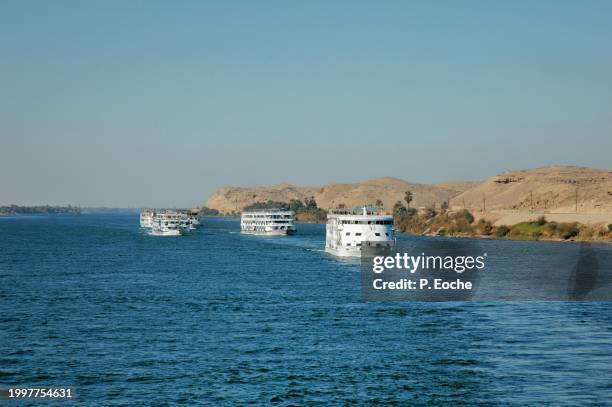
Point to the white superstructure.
(346, 230)
(146, 218)
(268, 222)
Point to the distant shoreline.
(39, 210)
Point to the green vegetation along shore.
(37, 210)
(443, 222)
(204, 211)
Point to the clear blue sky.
(142, 103)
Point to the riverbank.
(463, 223)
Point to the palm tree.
(408, 197)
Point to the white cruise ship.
(168, 222)
(268, 222)
(346, 230)
(146, 218)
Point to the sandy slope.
(549, 189)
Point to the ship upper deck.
(359, 213)
(266, 213)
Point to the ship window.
(377, 234)
(386, 234)
(348, 233)
(348, 244)
(358, 234)
(358, 244)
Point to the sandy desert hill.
(459, 186)
(553, 190)
(389, 190)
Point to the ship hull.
(269, 233)
(353, 252)
(165, 233)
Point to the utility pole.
(576, 200)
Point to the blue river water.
(221, 318)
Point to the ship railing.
(271, 210)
